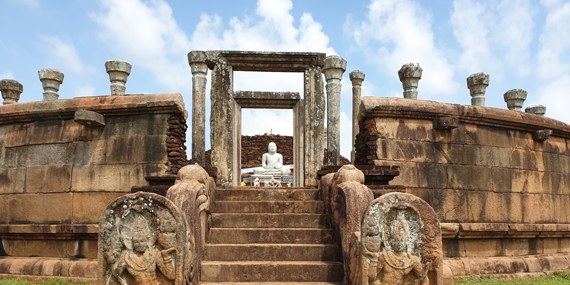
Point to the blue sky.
(520, 43)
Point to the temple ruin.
(101, 189)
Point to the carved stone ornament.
(141, 241)
(401, 242)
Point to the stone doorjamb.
(225, 118)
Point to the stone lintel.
(264, 100)
(430, 110)
(266, 61)
(107, 105)
(89, 118)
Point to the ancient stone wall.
(63, 161)
(497, 186)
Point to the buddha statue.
(272, 163)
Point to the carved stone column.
(410, 75)
(119, 70)
(51, 79)
(333, 70)
(356, 77)
(477, 84)
(11, 90)
(197, 61)
(536, 109)
(515, 99)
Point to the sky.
(519, 43)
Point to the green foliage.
(18, 281)
(559, 278)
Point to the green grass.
(18, 281)
(558, 278)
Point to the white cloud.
(494, 36)
(396, 32)
(147, 35)
(553, 57)
(61, 54)
(554, 96)
(260, 121)
(6, 75)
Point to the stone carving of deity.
(272, 163)
(398, 248)
(140, 242)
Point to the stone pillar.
(11, 90)
(314, 103)
(197, 61)
(119, 70)
(51, 79)
(356, 77)
(515, 99)
(477, 84)
(410, 75)
(333, 70)
(536, 109)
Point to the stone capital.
(410, 70)
(515, 99)
(11, 90)
(51, 79)
(197, 56)
(118, 70)
(480, 78)
(536, 109)
(356, 77)
(334, 67)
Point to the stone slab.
(110, 178)
(48, 179)
(12, 180)
(40, 208)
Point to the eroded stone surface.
(11, 90)
(515, 99)
(536, 109)
(401, 242)
(51, 78)
(119, 70)
(477, 84)
(410, 75)
(141, 241)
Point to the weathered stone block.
(527, 159)
(445, 123)
(87, 207)
(135, 149)
(12, 180)
(449, 153)
(432, 175)
(421, 130)
(40, 208)
(98, 152)
(527, 181)
(56, 246)
(111, 178)
(538, 208)
(470, 177)
(44, 179)
(4, 209)
(151, 124)
(89, 118)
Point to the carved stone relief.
(141, 241)
(401, 242)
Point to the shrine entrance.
(225, 119)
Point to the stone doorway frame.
(225, 118)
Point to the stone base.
(34, 268)
(283, 179)
(513, 267)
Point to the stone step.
(271, 271)
(266, 194)
(269, 235)
(270, 283)
(268, 220)
(268, 207)
(271, 252)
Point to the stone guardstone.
(141, 241)
(401, 242)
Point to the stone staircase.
(269, 236)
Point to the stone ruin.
(142, 240)
(480, 191)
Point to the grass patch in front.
(558, 278)
(18, 281)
